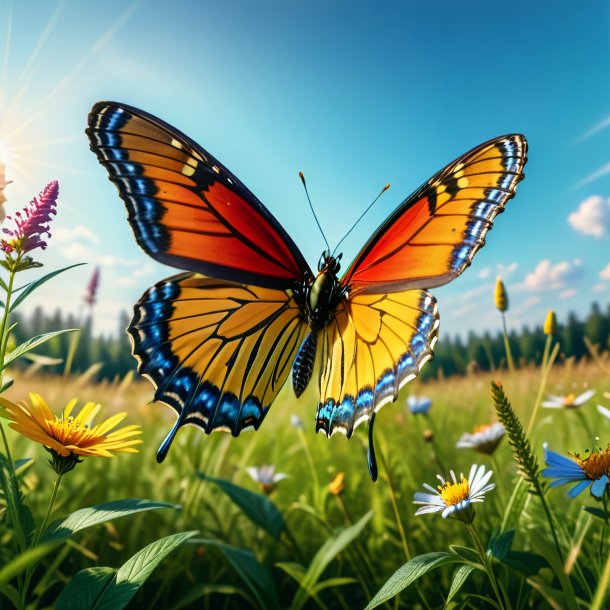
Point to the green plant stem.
(547, 365)
(4, 323)
(602, 587)
(549, 517)
(30, 571)
(509, 355)
(399, 526)
(604, 526)
(503, 601)
(312, 468)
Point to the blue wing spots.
(196, 402)
(406, 365)
(483, 209)
(115, 119)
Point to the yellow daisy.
(67, 437)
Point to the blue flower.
(591, 471)
(419, 404)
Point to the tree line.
(453, 355)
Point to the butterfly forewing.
(186, 209)
(434, 234)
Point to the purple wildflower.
(92, 286)
(33, 222)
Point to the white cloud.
(605, 272)
(485, 273)
(547, 276)
(567, 294)
(530, 302)
(126, 281)
(505, 271)
(592, 217)
(593, 130)
(76, 251)
(68, 235)
(599, 287)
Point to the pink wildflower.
(92, 286)
(33, 222)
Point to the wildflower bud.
(550, 324)
(501, 297)
(337, 485)
(428, 435)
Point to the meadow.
(306, 543)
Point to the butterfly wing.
(434, 234)
(375, 344)
(217, 352)
(186, 209)
(385, 331)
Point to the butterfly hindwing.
(217, 352)
(375, 345)
(186, 209)
(434, 234)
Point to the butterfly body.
(219, 340)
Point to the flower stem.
(602, 587)
(509, 354)
(4, 323)
(503, 601)
(30, 571)
(547, 364)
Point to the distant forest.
(111, 355)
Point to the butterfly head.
(329, 263)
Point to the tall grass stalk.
(547, 365)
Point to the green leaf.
(408, 574)
(22, 465)
(135, 571)
(6, 385)
(255, 576)
(466, 553)
(258, 508)
(524, 562)
(597, 512)
(459, 578)
(30, 344)
(327, 552)
(548, 550)
(19, 512)
(87, 517)
(29, 288)
(293, 569)
(83, 590)
(338, 581)
(500, 544)
(3, 285)
(10, 592)
(23, 561)
(204, 590)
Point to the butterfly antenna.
(313, 211)
(383, 190)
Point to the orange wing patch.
(434, 234)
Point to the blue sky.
(353, 94)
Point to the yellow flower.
(501, 296)
(67, 437)
(337, 485)
(550, 324)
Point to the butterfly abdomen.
(302, 369)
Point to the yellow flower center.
(596, 464)
(71, 432)
(454, 493)
(480, 428)
(568, 401)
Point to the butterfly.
(219, 340)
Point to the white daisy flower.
(570, 401)
(296, 421)
(605, 412)
(483, 439)
(266, 477)
(454, 498)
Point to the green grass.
(234, 561)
